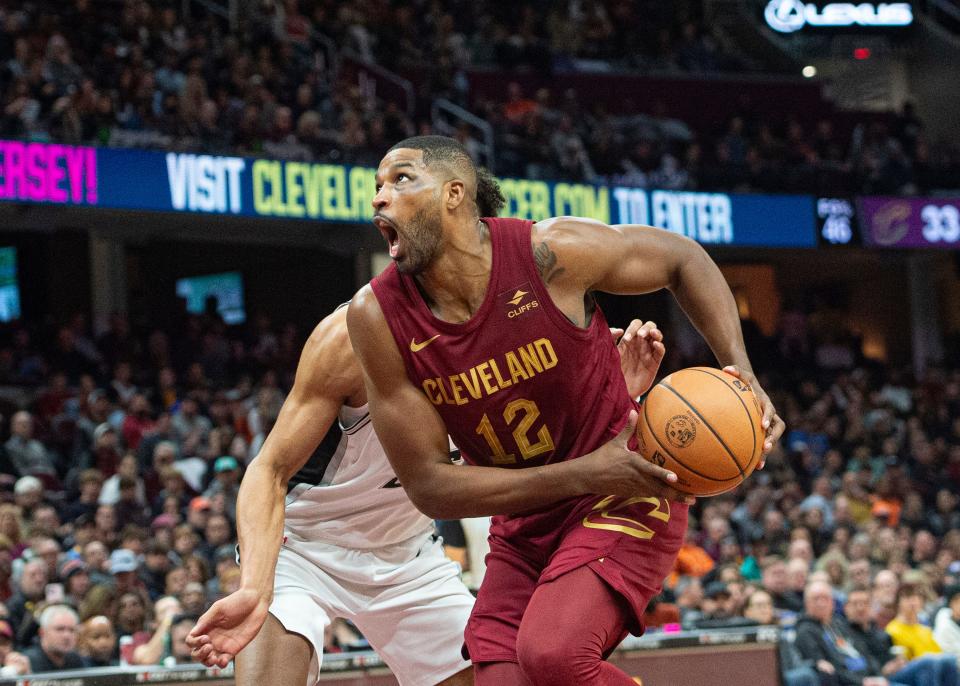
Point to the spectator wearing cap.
(226, 474)
(12, 663)
(123, 569)
(719, 608)
(76, 581)
(28, 455)
(198, 512)
(58, 641)
(23, 603)
(90, 483)
(98, 642)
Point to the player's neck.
(455, 284)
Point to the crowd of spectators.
(136, 73)
(139, 73)
(123, 451)
(120, 464)
(849, 539)
(547, 135)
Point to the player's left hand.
(772, 424)
(641, 352)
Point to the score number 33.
(528, 412)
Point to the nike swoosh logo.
(417, 347)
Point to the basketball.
(704, 425)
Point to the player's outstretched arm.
(576, 256)
(326, 376)
(415, 440)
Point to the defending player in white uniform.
(346, 541)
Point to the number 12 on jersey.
(528, 412)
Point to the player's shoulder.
(564, 231)
(328, 345)
(364, 312)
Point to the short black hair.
(451, 152)
(438, 149)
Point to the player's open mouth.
(389, 234)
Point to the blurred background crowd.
(122, 448)
(122, 454)
(137, 73)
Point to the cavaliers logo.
(891, 223)
(681, 430)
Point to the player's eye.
(401, 177)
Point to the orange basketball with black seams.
(704, 425)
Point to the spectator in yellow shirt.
(906, 629)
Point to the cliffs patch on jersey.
(519, 300)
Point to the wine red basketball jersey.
(518, 384)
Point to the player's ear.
(455, 194)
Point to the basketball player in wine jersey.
(347, 542)
(485, 329)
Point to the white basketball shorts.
(407, 600)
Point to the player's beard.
(422, 236)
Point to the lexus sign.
(789, 16)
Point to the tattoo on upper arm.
(546, 261)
